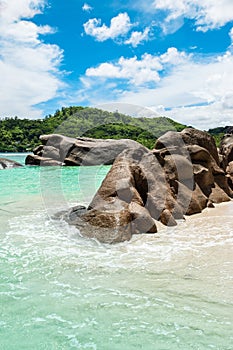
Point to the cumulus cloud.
(197, 92)
(207, 14)
(189, 88)
(119, 26)
(14, 10)
(137, 38)
(203, 117)
(29, 68)
(137, 71)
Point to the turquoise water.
(169, 291)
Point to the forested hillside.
(20, 135)
(219, 132)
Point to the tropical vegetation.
(22, 135)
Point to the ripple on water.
(172, 290)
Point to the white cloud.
(174, 57)
(119, 26)
(197, 93)
(207, 14)
(24, 32)
(202, 117)
(137, 71)
(29, 68)
(138, 37)
(231, 35)
(192, 89)
(86, 7)
(14, 10)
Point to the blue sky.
(172, 56)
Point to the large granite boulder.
(189, 136)
(6, 163)
(191, 160)
(121, 206)
(201, 138)
(62, 150)
(133, 196)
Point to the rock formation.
(6, 163)
(226, 154)
(181, 176)
(61, 150)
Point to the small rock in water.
(6, 163)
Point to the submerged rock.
(6, 163)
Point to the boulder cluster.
(182, 175)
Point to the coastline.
(220, 210)
(224, 209)
(175, 284)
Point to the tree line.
(22, 135)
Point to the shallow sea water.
(58, 290)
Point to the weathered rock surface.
(192, 136)
(226, 149)
(42, 161)
(205, 171)
(118, 209)
(6, 163)
(61, 150)
(226, 154)
(181, 176)
(175, 141)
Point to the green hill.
(20, 135)
(219, 132)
